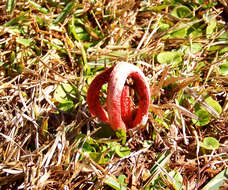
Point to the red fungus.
(116, 84)
(93, 99)
(120, 113)
(127, 108)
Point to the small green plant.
(102, 151)
(114, 183)
(169, 57)
(209, 143)
(223, 68)
(67, 97)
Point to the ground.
(50, 51)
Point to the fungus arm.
(93, 99)
(126, 107)
(115, 87)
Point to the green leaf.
(59, 48)
(193, 48)
(79, 33)
(217, 181)
(203, 115)
(196, 47)
(99, 158)
(211, 28)
(213, 48)
(169, 57)
(24, 42)
(181, 12)
(195, 32)
(63, 93)
(223, 50)
(214, 104)
(209, 143)
(105, 131)
(163, 27)
(223, 36)
(66, 106)
(122, 151)
(39, 7)
(180, 33)
(95, 156)
(12, 57)
(199, 67)
(112, 182)
(10, 6)
(158, 8)
(39, 21)
(16, 20)
(66, 95)
(121, 134)
(67, 10)
(178, 179)
(57, 42)
(87, 147)
(122, 178)
(224, 69)
(44, 127)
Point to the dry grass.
(43, 146)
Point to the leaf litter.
(49, 53)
